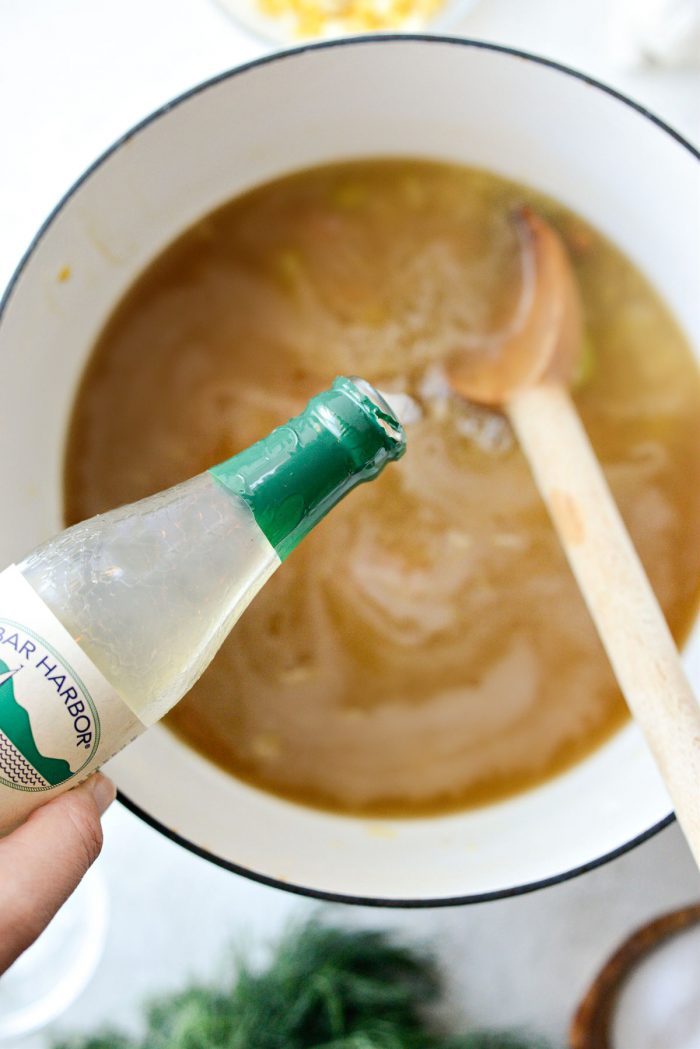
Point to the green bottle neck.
(295, 475)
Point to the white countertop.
(75, 74)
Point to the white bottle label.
(60, 719)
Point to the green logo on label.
(49, 726)
(20, 758)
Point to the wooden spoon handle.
(615, 587)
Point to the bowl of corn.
(297, 21)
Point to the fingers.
(42, 862)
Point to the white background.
(75, 74)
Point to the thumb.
(43, 861)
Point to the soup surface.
(426, 649)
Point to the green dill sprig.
(326, 988)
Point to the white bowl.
(283, 29)
(453, 100)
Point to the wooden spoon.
(528, 376)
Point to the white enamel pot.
(452, 100)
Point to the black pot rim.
(268, 59)
(407, 903)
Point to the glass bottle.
(105, 627)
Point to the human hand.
(43, 861)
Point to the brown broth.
(426, 649)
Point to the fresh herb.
(326, 988)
